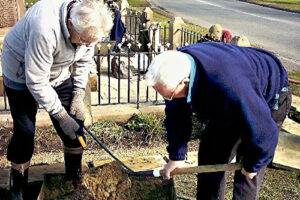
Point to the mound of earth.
(109, 181)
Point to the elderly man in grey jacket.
(36, 59)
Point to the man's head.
(89, 21)
(215, 31)
(241, 41)
(169, 74)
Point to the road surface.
(272, 29)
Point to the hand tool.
(178, 171)
(193, 170)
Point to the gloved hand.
(77, 104)
(249, 175)
(67, 123)
(171, 165)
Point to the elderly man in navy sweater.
(243, 95)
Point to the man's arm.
(38, 62)
(259, 131)
(179, 125)
(82, 67)
(80, 73)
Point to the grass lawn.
(287, 4)
(164, 17)
(143, 3)
(295, 87)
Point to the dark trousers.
(23, 110)
(219, 146)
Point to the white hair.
(92, 17)
(169, 68)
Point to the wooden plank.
(36, 173)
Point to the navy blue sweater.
(235, 88)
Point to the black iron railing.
(132, 88)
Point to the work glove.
(67, 123)
(77, 104)
(170, 166)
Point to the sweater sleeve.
(261, 133)
(82, 67)
(179, 125)
(38, 62)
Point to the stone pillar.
(11, 11)
(123, 10)
(175, 31)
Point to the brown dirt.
(5, 135)
(110, 181)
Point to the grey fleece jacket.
(37, 54)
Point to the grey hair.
(169, 68)
(93, 17)
(241, 41)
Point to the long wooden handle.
(205, 169)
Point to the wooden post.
(175, 31)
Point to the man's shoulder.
(45, 18)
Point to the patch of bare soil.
(109, 181)
(5, 135)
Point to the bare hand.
(170, 166)
(249, 175)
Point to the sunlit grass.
(287, 4)
(295, 87)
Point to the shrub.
(108, 131)
(150, 127)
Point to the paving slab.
(287, 154)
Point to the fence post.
(175, 31)
(123, 10)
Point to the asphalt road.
(272, 29)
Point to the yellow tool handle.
(81, 140)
